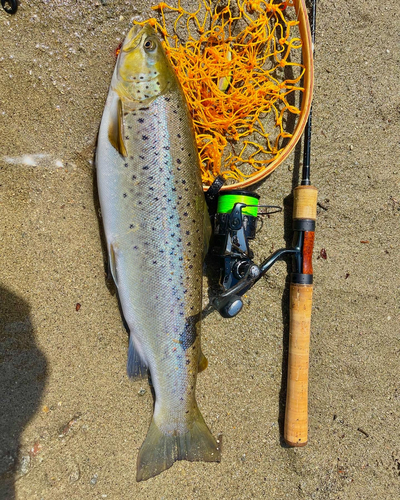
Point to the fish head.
(143, 71)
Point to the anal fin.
(203, 362)
(135, 367)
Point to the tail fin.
(159, 451)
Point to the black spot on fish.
(126, 165)
(144, 137)
(133, 177)
(131, 226)
(146, 167)
(167, 99)
(187, 232)
(179, 136)
(125, 195)
(167, 148)
(178, 161)
(141, 120)
(183, 181)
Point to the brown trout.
(155, 219)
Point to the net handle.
(307, 51)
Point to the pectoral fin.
(112, 267)
(116, 130)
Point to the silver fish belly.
(153, 207)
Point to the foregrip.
(301, 288)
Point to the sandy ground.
(71, 423)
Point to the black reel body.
(234, 215)
(234, 225)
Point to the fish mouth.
(135, 36)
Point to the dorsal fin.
(116, 130)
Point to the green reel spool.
(227, 201)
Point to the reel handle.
(301, 289)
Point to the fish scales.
(160, 208)
(153, 210)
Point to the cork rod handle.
(296, 415)
(301, 289)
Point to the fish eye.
(149, 45)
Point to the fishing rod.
(234, 215)
(301, 289)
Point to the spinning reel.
(234, 215)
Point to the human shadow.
(23, 371)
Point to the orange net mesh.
(239, 63)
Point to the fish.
(156, 227)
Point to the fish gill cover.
(239, 63)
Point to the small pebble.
(93, 481)
(25, 464)
(75, 474)
(142, 391)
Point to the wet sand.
(71, 423)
